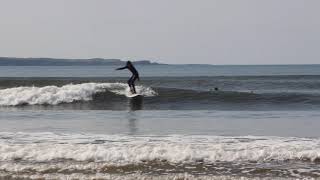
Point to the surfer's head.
(129, 63)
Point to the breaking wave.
(46, 155)
(53, 95)
(113, 96)
(121, 149)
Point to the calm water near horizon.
(160, 70)
(77, 122)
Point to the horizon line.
(160, 63)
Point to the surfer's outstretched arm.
(125, 67)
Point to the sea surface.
(192, 122)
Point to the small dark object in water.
(214, 89)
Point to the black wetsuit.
(133, 78)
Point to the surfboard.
(134, 95)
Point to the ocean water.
(78, 123)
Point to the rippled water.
(75, 123)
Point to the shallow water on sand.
(222, 123)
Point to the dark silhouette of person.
(134, 77)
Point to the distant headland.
(13, 61)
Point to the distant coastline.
(13, 61)
(16, 61)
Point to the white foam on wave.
(135, 176)
(68, 93)
(118, 149)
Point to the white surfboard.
(134, 95)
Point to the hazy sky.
(169, 31)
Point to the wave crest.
(53, 95)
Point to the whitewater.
(86, 155)
(122, 149)
(54, 95)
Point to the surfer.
(134, 77)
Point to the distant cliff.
(9, 61)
